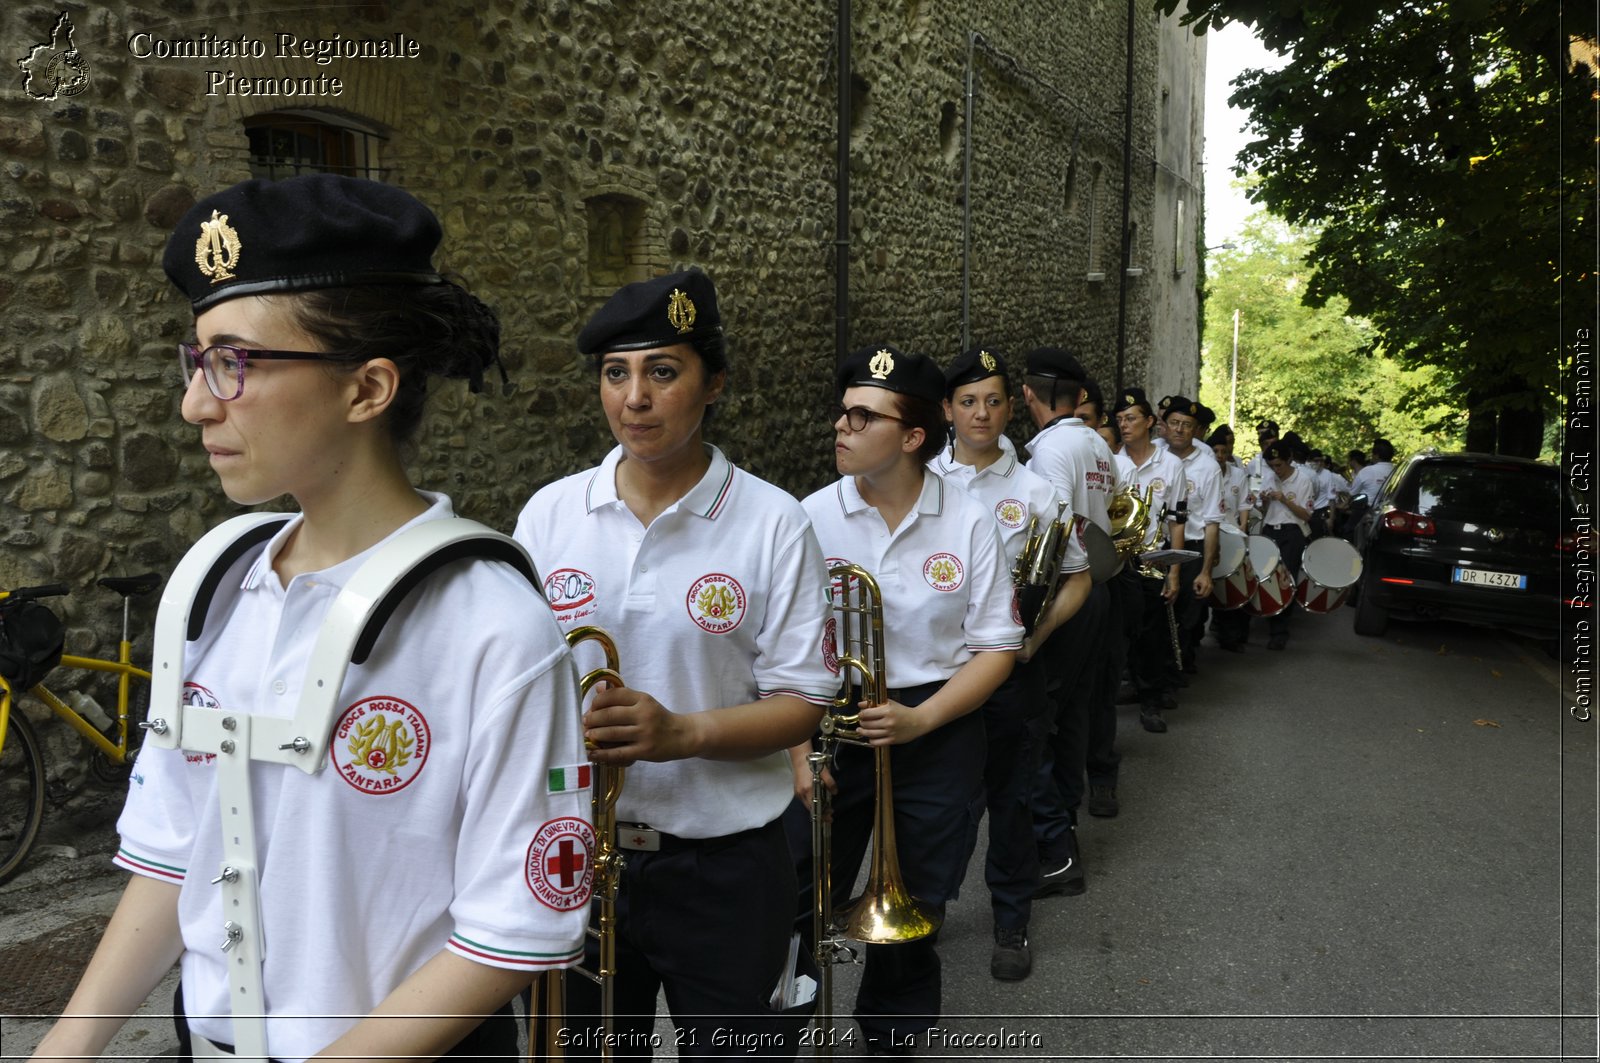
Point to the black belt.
(925, 690)
(643, 838)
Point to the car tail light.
(1398, 520)
(1397, 579)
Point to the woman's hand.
(802, 783)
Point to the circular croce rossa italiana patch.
(380, 745)
(943, 572)
(560, 867)
(716, 603)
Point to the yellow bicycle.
(22, 774)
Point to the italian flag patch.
(574, 777)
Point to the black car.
(1469, 537)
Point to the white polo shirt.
(946, 590)
(1163, 474)
(1078, 464)
(433, 827)
(1202, 479)
(1014, 497)
(1370, 480)
(721, 601)
(1235, 492)
(1300, 488)
(1329, 484)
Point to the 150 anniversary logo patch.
(570, 592)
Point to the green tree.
(1314, 369)
(1444, 153)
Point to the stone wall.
(549, 135)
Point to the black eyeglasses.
(858, 417)
(223, 366)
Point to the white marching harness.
(348, 634)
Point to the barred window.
(291, 142)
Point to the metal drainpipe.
(841, 236)
(1127, 205)
(966, 204)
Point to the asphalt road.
(1354, 849)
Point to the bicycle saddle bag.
(31, 641)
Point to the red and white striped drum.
(1233, 580)
(1329, 568)
(1274, 586)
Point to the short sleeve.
(789, 648)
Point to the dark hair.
(1355, 456)
(425, 329)
(1382, 450)
(1053, 389)
(926, 415)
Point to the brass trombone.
(885, 913)
(547, 1008)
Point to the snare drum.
(1329, 569)
(1233, 579)
(1274, 586)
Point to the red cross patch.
(560, 864)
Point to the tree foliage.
(1314, 369)
(1444, 152)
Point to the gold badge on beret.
(986, 360)
(217, 250)
(680, 311)
(1130, 400)
(882, 365)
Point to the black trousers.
(1075, 660)
(1191, 611)
(1015, 722)
(708, 922)
(937, 780)
(1291, 548)
(1151, 665)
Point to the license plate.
(1483, 577)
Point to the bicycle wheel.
(21, 792)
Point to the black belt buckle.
(638, 837)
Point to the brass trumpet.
(1037, 572)
(885, 913)
(547, 1007)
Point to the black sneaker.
(1103, 801)
(1150, 720)
(1010, 960)
(1169, 701)
(1127, 695)
(1063, 874)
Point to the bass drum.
(1233, 579)
(1274, 586)
(1328, 572)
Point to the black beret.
(1165, 404)
(1180, 404)
(300, 234)
(973, 366)
(677, 308)
(1055, 362)
(1206, 414)
(1130, 397)
(883, 366)
(1267, 426)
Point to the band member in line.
(1287, 496)
(319, 318)
(1084, 661)
(950, 638)
(1148, 467)
(1203, 494)
(712, 584)
(1017, 717)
